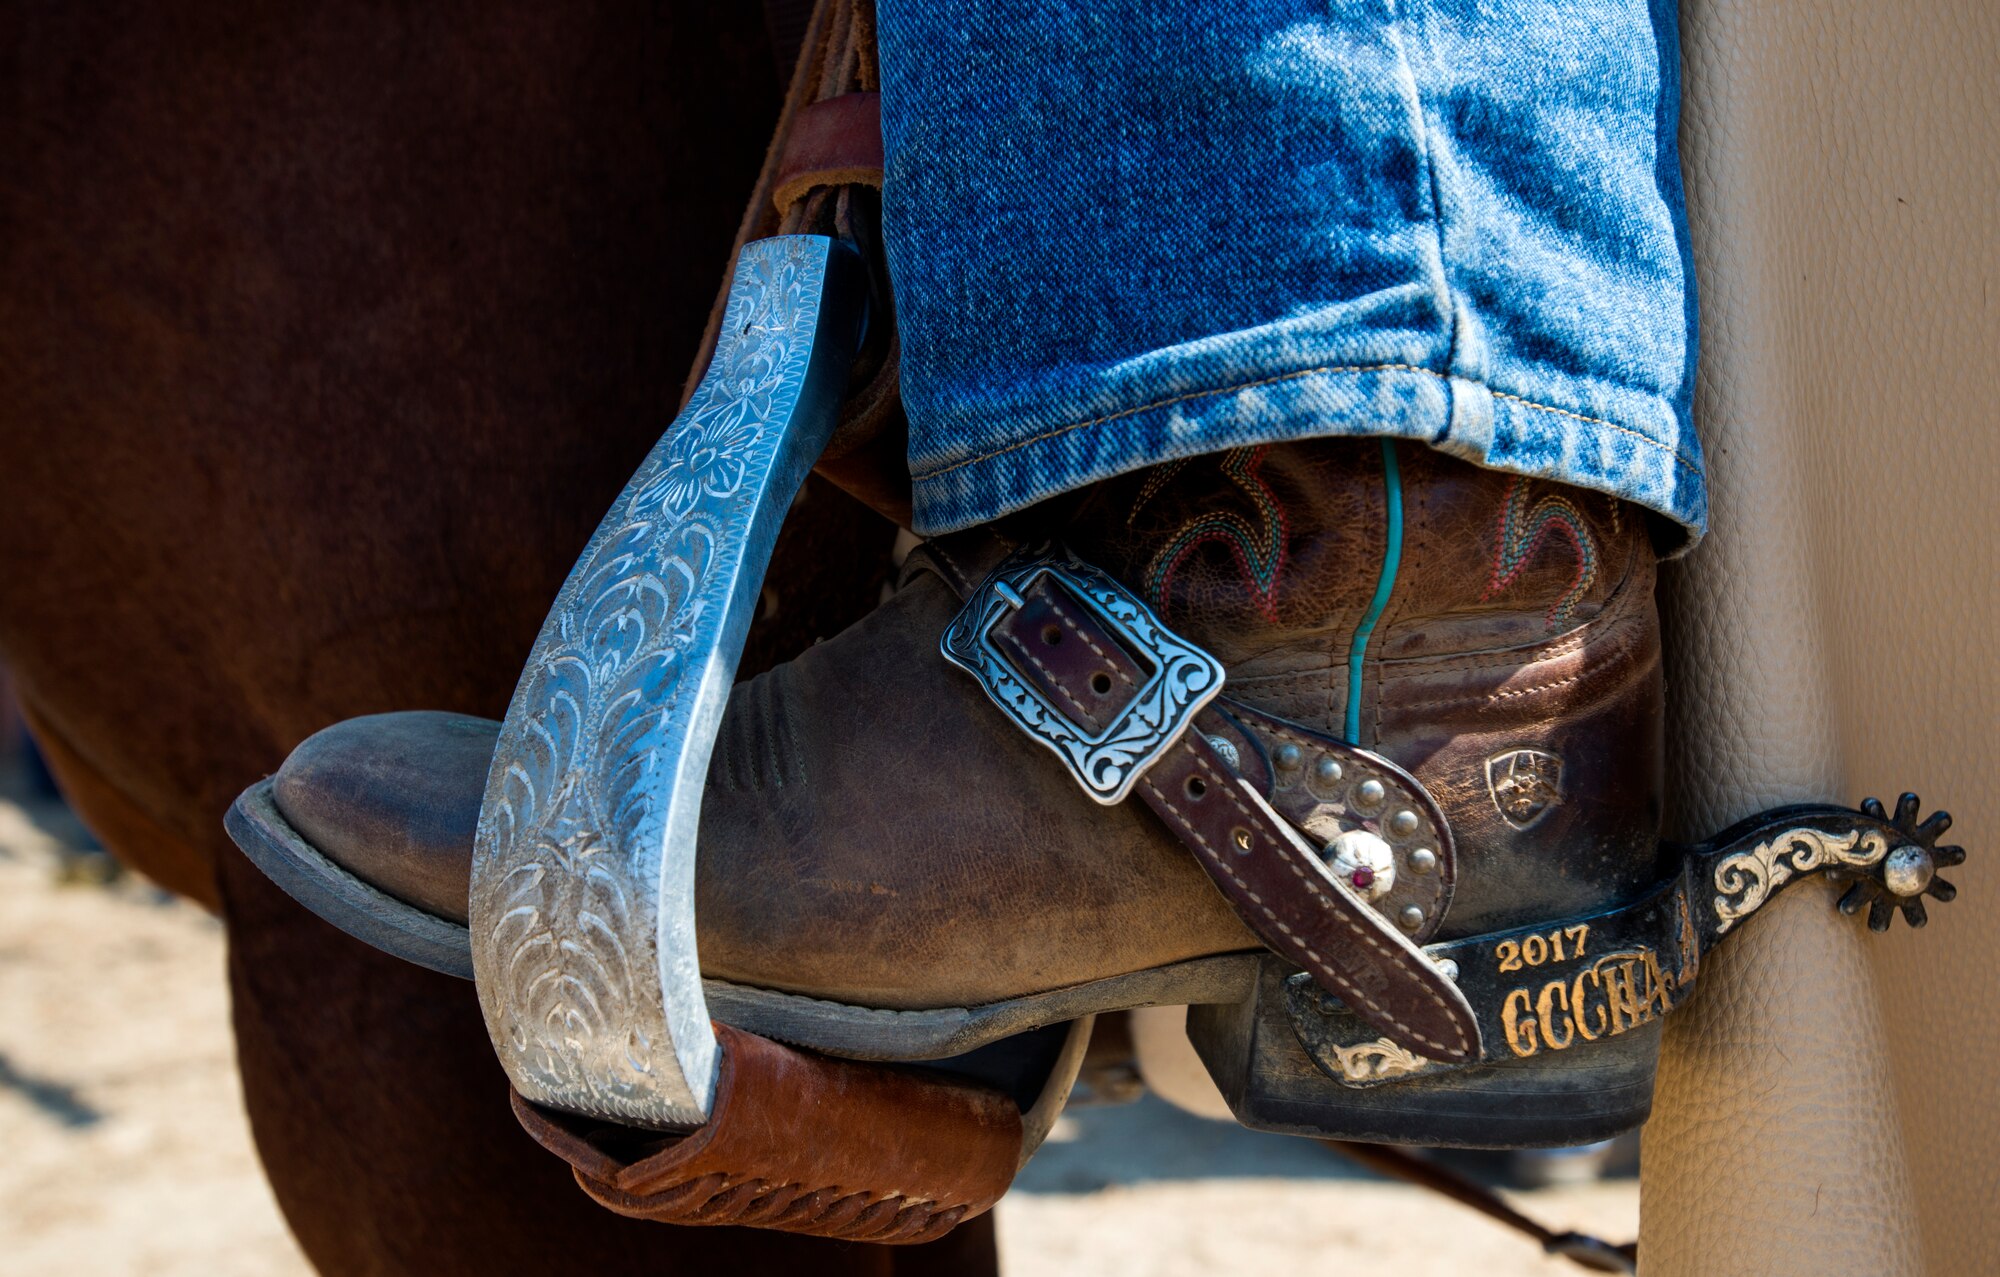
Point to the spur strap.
(1058, 646)
(1304, 913)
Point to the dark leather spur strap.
(1281, 890)
(1062, 648)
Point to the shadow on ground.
(1151, 1140)
(56, 1100)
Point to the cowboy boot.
(1444, 678)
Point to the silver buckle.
(1109, 762)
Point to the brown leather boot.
(888, 868)
(1510, 661)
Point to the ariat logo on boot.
(1525, 784)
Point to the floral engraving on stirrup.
(582, 908)
(1107, 763)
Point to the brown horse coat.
(327, 333)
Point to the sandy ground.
(123, 1147)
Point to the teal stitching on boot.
(1385, 585)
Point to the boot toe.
(394, 800)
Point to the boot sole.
(1236, 1021)
(397, 927)
(363, 911)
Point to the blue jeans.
(1125, 234)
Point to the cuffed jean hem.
(1457, 415)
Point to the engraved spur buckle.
(1181, 677)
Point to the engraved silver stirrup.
(582, 902)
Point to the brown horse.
(327, 333)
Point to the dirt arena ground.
(123, 1148)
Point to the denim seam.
(1679, 456)
(1427, 147)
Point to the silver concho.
(1337, 792)
(1525, 784)
(1364, 861)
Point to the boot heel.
(1271, 1081)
